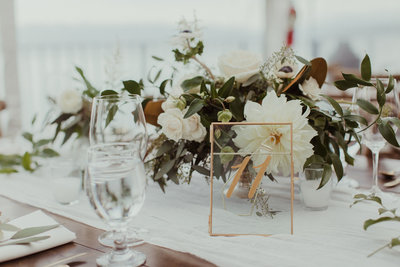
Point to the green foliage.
(185, 56)
(390, 215)
(9, 163)
(24, 236)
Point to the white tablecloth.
(179, 220)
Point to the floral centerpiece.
(248, 89)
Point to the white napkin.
(58, 236)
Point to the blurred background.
(42, 41)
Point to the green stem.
(220, 101)
(379, 249)
(377, 118)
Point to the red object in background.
(292, 19)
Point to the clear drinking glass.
(117, 182)
(371, 137)
(118, 118)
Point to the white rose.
(239, 63)
(171, 122)
(70, 101)
(285, 69)
(193, 130)
(311, 89)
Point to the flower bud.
(229, 99)
(181, 103)
(224, 115)
(225, 158)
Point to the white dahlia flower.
(253, 139)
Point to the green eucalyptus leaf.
(8, 170)
(213, 91)
(201, 170)
(395, 242)
(370, 222)
(194, 107)
(49, 153)
(314, 159)
(25, 241)
(395, 121)
(367, 106)
(43, 142)
(344, 85)
(382, 210)
(303, 60)
(334, 104)
(166, 166)
(31, 231)
(27, 161)
(203, 88)
(357, 118)
(353, 78)
(109, 92)
(157, 58)
(251, 80)
(226, 89)
(28, 136)
(326, 175)
(165, 148)
(111, 113)
(173, 176)
(388, 133)
(360, 196)
(132, 87)
(380, 93)
(179, 150)
(337, 165)
(366, 68)
(191, 83)
(163, 85)
(8, 227)
(90, 90)
(390, 85)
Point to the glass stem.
(375, 162)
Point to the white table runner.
(179, 220)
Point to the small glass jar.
(314, 198)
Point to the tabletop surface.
(86, 242)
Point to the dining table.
(177, 225)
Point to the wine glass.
(115, 118)
(117, 181)
(371, 136)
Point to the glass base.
(132, 259)
(316, 208)
(133, 237)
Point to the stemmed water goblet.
(371, 136)
(118, 118)
(117, 182)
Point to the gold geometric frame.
(212, 173)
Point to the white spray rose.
(239, 63)
(171, 122)
(193, 130)
(311, 89)
(70, 101)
